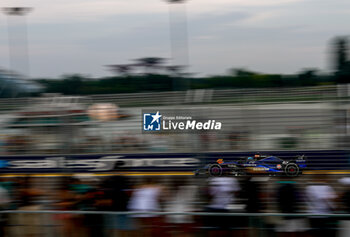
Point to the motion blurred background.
(76, 75)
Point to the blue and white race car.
(270, 165)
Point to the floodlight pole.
(14, 50)
(178, 36)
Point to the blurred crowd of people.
(125, 142)
(218, 197)
(236, 139)
(23, 144)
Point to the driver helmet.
(250, 158)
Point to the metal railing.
(102, 223)
(138, 213)
(201, 96)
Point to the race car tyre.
(292, 170)
(215, 170)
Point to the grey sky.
(273, 36)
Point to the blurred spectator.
(222, 193)
(146, 198)
(116, 198)
(320, 200)
(27, 201)
(9, 185)
(253, 196)
(344, 224)
(345, 195)
(4, 204)
(70, 223)
(89, 202)
(288, 198)
(79, 197)
(181, 198)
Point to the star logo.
(156, 117)
(152, 121)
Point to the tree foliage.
(159, 77)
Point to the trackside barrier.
(316, 160)
(104, 223)
(264, 214)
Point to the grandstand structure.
(254, 119)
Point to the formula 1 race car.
(270, 165)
